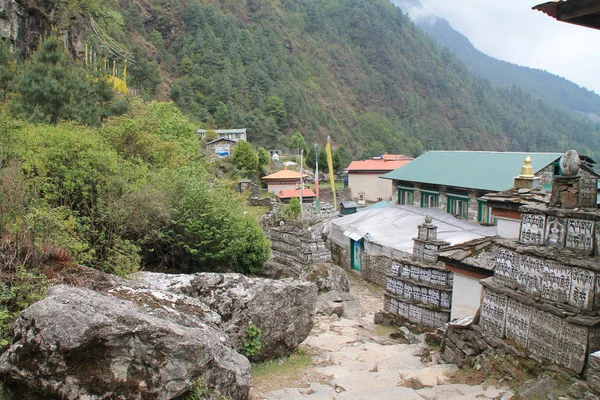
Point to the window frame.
(490, 219)
(432, 194)
(458, 203)
(410, 194)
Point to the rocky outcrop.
(327, 277)
(25, 22)
(80, 344)
(283, 309)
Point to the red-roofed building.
(282, 180)
(308, 196)
(364, 181)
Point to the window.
(458, 206)
(484, 213)
(406, 196)
(430, 199)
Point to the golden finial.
(527, 169)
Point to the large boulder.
(282, 309)
(80, 344)
(327, 277)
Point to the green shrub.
(293, 209)
(252, 344)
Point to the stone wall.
(297, 246)
(593, 377)
(545, 291)
(376, 268)
(419, 288)
(326, 195)
(340, 255)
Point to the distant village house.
(237, 135)
(283, 180)
(225, 142)
(363, 177)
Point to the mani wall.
(545, 292)
(418, 288)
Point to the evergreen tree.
(222, 116)
(263, 157)
(53, 88)
(244, 157)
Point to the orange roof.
(377, 165)
(284, 174)
(288, 194)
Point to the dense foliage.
(134, 192)
(357, 70)
(553, 89)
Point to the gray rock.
(327, 277)
(537, 388)
(578, 389)
(80, 344)
(341, 304)
(282, 309)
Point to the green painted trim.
(458, 197)
(426, 193)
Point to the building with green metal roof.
(456, 180)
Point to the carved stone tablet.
(532, 229)
(582, 288)
(493, 312)
(543, 334)
(518, 317)
(580, 235)
(571, 347)
(556, 232)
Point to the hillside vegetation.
(553, 89)
(358, 70)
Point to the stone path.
(355, 362)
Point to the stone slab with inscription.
(532, 229)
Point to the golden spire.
(527, 169)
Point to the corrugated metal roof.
(377, 165)
(396, 226)
(224, 130)
(484, 170)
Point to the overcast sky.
(510, 30)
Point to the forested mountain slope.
(553, 89)
(360, 71)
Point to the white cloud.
(510, 30)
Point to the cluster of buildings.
(469, 198)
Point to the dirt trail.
(356, 360)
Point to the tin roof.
(377, 165)
(483, 170)
(283, 174)
(224, 130)
(221, 140)
(289, 193)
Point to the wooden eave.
(578, 12)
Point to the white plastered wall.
(371, 185)
(276, 188)
(466, 296)
(508, 228)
